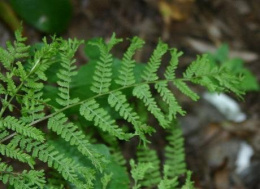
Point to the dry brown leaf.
(175, 10)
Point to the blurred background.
(222, 132)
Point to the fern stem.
(10, 100)
(97, 96)
(17, 90)
(8, 137)
(103, 94)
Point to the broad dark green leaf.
(50, 16)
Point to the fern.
(126, 73)
(26, 180)
(29, 121)
(143, 93)
(67, 51)
(91, 111)
(182, 86)
(153, 177)
(118, 101)
(154, 62)
(103, 72)
(21, 128)
(174, 153)
(71, 133)
(16, 51)
(188, 183)
(166, 182)
(170, 70)
(169, 98)
(138, 172)
(13, 152)
(48, 154)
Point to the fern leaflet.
(16, 51)
(71, 133)
(183, 87)
(170, 70)
(149, 73)
(67, 51)
(103, 72)
(169, 98)
(166, 182)
(153, 177)
(126, 72)
(48, 154)
(92, 112)
(26, 180)
(118, 101)
(143, 93)
(12, 151)
(174, 153)
(21, 128)
(138, 172)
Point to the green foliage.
(174, 153)
(138, 172)
(107, 101)
(153, 176)
(235, 66)
(27, 179)
(126, 74)
(67, 52)
(143, 93)
(188, 183)
(166, 182)
(92, 112)
(51, 16)
(70, 133)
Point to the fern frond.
(183, 87)
(20, 49)
(5, 58)
(166, 182)
(106, 179)
(199, 67)
(118, 157)
(143, 93)
(92, 112)
(16, 51)
(12, 151)
(188, 183)
(118, 101)
(174, 153)
(151, 68)
(3, 133)
(26, 180)
(71, 133)
(126, 72)
(20, 72)
(43, 58)
(103, 71)
(21, 128)
(67, 52)
(229, 82)
(55, 180)
(32, 102)
(55, 159)
(11, 87)
(138, 172)
(153, 177)
(169, 98)
(170, 70)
